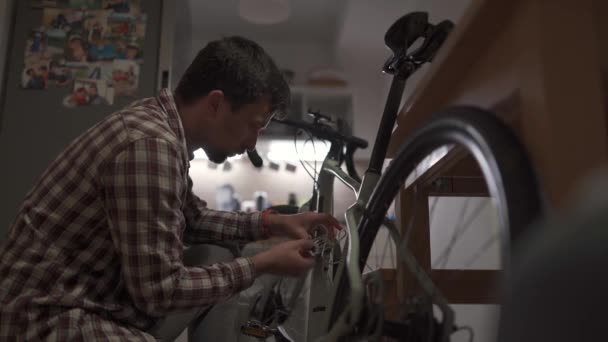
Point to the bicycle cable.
(295, 144)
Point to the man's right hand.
(290, 258)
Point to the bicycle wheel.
(469, 192)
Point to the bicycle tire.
(492, 143)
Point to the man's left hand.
(302, 225)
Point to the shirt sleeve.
(203, 224)
(143, 191)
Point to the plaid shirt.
(96, 249)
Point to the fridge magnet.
(90, 92)
(37, 44)
(92, 47)
(87, 4)
(96, 25)
(125, 75)
(61, 21)
(122, 6)
(76, 49)
(100, 71)
(59, 74)
(128, 49)
(49, 3)
(35, 75)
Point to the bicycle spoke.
(442, 259)
(432, 209)
(459, 231)
(484, 248)
(410, 224)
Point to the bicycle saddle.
(402, 35)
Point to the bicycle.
(344, 301)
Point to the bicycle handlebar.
(255, 158)
(326, 132)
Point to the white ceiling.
(310, 21)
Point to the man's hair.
(241, 69)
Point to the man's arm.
(203, 224)
(143, 189)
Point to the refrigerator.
(36, 124)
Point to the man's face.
(235, 132)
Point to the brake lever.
(317, 116)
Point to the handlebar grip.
(357, 142)
(255, 158)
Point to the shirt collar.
(167, 102)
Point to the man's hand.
(290, 258)
(301, 226)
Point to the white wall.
(360, 52)
(246, 179)
(182, 43)
(299, 57)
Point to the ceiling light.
(264, 12)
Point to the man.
(96, 250)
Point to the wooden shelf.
(458, 286)
(538, 66)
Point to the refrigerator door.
(36, 124)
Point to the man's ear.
(214, 101)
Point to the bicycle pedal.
(257, 329)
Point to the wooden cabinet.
(536, 64)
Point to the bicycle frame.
(320, 306)
(319, 310)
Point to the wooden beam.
(458, 286)
(450, 160)
(413, 204)
(456, 174)
(468, 286)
